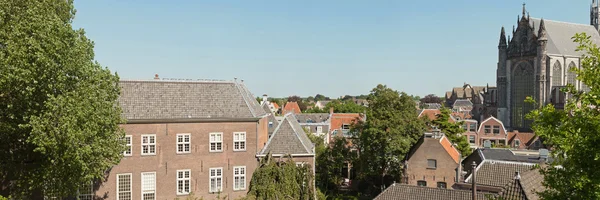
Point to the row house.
(432, 162)
(183, 137)
(316, 124)
(490, 129)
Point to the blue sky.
(334, 47)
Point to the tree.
(573, 134)
(281, 180)
(320, 97)
(432, 98)
(310, 99)
(385, 138)
(330, 163)
(453, 131)
(344, 107)
(59, 116)
(298, 100)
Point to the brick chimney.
(156, 77)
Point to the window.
(472, 127)
(148, 144)
(239, 178)
(537, 143)
(422, 183)
(86, 191)
(496, 130)
(239, 141)
(471, 139)
(128, 143)
(270, 124)
(557, 74)
(183, 181)
(487, 129)
(183, 143)
(216, 179)
(571, 76)
(431, 164)
(300, 164)
(216, 142)
(465, 126)
(517, 143)
(319, 129)
(521, 87)
(441, 185)
(123, 186)
(345, 126)
(148, 185)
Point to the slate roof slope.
(288, 138)
(271, 117)
(314, 117)
(508, 155)
(498, 173)
(410, 192)
(462, 103)
(525, 187)
(559, 35)
(165, 99)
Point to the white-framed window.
(239, 141)
(124, 186)
(183, 143)
(300, 164)
(319, 129)
(345, 126)
(216, 180)
(239, 178)
(184, 181)
(86, 191)
(148, 144)
(216, 142)
(471, 139)
(148, 185)
(128, 143)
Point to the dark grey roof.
(160, 99)
(526, 187)
(312, 117)
(499, 173)
(432, 106)
(508, 155)
(462, 103)
(410, 192)
(288, 138)
(559, 35)
(271, 118)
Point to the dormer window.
(517, 143)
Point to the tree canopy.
(453, 131)
(431, 98)
(573, 133)
(58, 111)
(281, 180)
(385, 138)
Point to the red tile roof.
(450, 149)
(339, 119)
(432, 114)
(291, 107)
(275, 105)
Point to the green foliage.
(339, 107)
(330, 164)
(58, 107)
(573, 133)
(385, 138)
(320, 97)
(453, 131)
(281, 180)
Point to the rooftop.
(410, 192)
(288, 138)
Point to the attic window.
(422, 183)
(345, 126)
(517, 143)
(431, 164)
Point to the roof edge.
(190, 120)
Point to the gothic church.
(536, 61)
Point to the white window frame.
(319, 129)
(129, 145)
(237, 140)
(130, 185)
(184, 179)
(149, 144)
(241, 177)
(183, 143)
(148, 191)
(85, 195)
(211, 141)
(218, 179)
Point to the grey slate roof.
(462, 103)
(410, 192)
(288, 138)
(559, 35)
(508, 155)
(161, 99)
(314, 117)
(498, 173)
(524, 188)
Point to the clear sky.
(333, 47)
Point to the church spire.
(524, 11)
(542, 31)
(502, 38)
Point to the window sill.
(216, 151)
(183, 194)
(432, 168)
(148, 154)
(239, 190)
(240, 150)
(183, 153)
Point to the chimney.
(156, 77)
(473, 180)
(517, 176)
(331, 110)
(265, 98)
(459, 169)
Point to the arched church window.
(522, 86)
(556, 74)
(571, 76)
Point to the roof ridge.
(296, 131)
(178, 80)
(240, 89)
(556, 21)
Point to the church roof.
(560, 35)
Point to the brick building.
(185, 137)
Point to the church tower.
(594, 14)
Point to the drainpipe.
(474, 185)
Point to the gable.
(491, 118)
(288, 138)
